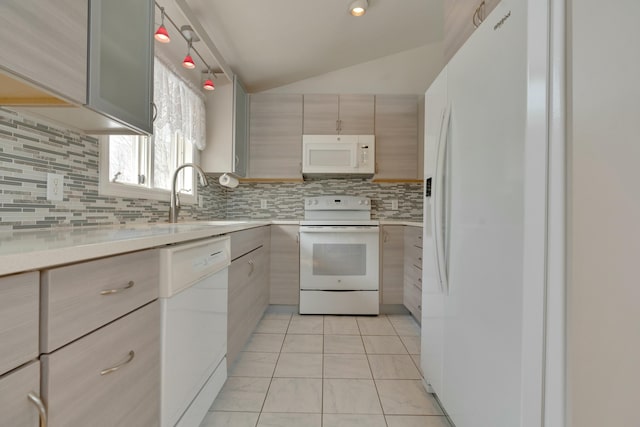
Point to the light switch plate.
(55, 186)
(263, 203)
(394, 205)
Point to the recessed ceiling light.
(358, 7)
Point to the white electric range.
(339, 248)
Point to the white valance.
(181, 110)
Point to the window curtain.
(181, 110)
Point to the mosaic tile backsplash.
(286, 200)
(29, 149)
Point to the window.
(142, 167)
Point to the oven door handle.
(339, 229)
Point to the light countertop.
(32, 250)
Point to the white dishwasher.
(193, 301)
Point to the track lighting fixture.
(189, 35)
(162, 35)
(358, 7)
(208, 82)
(187, 62)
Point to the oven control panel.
(337, 203)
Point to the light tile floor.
(328, 371)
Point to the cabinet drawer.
(413, 276)
(15, 407)
(413, 300)
(110, 377)
(413, 236)
(247, 240)
(79, 298)
(19, 315)
(413, 257)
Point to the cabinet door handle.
(155, 112)
(120, 365)
(42, 411)
(237, 161)
(385, 238)
(118, 290)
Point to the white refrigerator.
(484, 227)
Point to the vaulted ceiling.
(270, 43)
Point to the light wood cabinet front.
(45, 42)
(19, 320)
(412, 297)
(356, 114)
(392, 264)
(397, 148)
(248, 287)
(110, 377)
(248, 299)
(16, 410)
(79, 298)
(275, 136)
(285, 265)
(339, 114)
(247, 240)
(459, 22)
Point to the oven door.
(339, 258)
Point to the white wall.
(408, 72)
(603, 294)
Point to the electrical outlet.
(200, 201)
(263, 203)
(55, 186)
(394, 205)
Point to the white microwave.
(338, 155)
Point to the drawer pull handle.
(42, 411)
(118, 290)
(115, 368)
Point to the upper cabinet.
(339, 114)
(87, 64)
(56, 36)
(278, 121)
(121, 61)
(397, 141)
(227, 130)
(275, 136)
(461, 18)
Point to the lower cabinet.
(285, 265)
(392, 264)
(248, 287)
(19, 316)
(16, 409)
(109, 377)
(412, 296)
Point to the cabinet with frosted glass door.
(227, 135)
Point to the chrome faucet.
(174, 208)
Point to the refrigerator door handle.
(438, 231)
